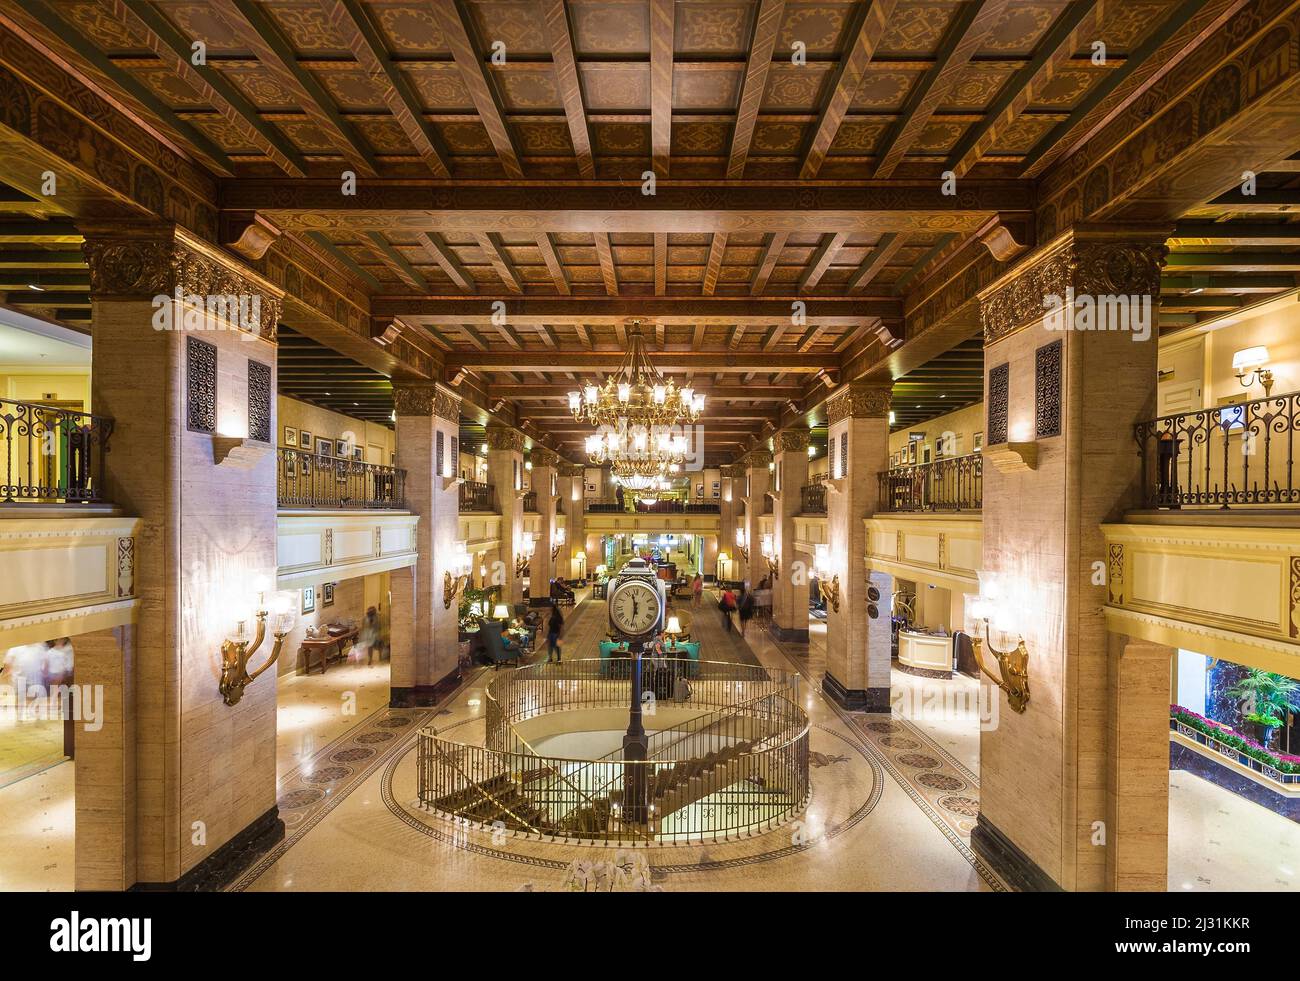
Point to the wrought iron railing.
(739, 767)
(812, 499)
(952, 484)
(50, 455)
(310, 481)
(530, 501)
(477, 496)
(676, 507)
(1237, 455)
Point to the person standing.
(747, 605)
(697, 589)
(728, 605)
(369, 637)
(554, 627)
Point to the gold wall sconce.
(773, 560)
(524, 557)
(558, 540)
(828, 584)
(742, 545)
(237, 649)
(1248, 366)
(1013, 664)
(452, 585)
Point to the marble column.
(184, 360)
(857, 643)
(1062, 400)
(757, 481)
(545, 487)
(506, 474)
(570, 482)
(790, 590)
(731, 517)
(428, 425)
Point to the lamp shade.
(674, 624)
(1248, 359)
(501, 611)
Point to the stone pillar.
(1058, 462)
(506, 474)
(756, 482)
(731, 517)
(106, 773)
(857, 644)
(1137, 790)
(428, 424)
(790, 590)
(184, 360)
(570, 482)
(542, 566)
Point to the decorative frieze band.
(501, 438)
(146, 260)
(426, 400)
(1106, 266)
(860, 400)
(734, 471)
(792, 440)
(542, 457)
(759, 457)
(567, 469)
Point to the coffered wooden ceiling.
(500, 147)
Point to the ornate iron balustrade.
(1238, 455)
(50, 455)
(309, 481)
(477, 496)
(530, 502)
(739, 766)
(952, 484)
(812, 499)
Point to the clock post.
(635, 750)
(637, 587)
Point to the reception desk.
(925, 653)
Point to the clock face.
(634, 608)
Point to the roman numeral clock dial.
(634, 607)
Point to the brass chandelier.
(636, 395)
(637, 457)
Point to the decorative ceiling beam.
(661, 262)
(847, 76)
(348, 19)
(662, 16)
(728, 311)
(966, 33)
(1228, 233)
(441, 253)
(775, 244)
(717, 248)
(456, 33)
(255, 29)
(732, 361)
(323, 241)
(606, 257)
(560, 37)
(530, 391)
(490, 243)
(821, 260)
(396, 262)
(553, 264)
(885, 249)
(767, 25)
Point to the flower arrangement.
(1282, 762)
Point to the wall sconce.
(1013, 665)
(524, 557)
(452, 585)
(558, 539)
(741, 545)
(827, 585)
(237, 649)
(773, 560)
(1253, 360)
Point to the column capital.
(860, 400)
(505, 438)
(758, 457)
(1093, 260)
(566, 469)
(426, 400)
(792, 440)
(542, 457)
(145, 260)
(733, 471)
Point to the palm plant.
(1268, 698)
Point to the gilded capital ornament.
(502, 438)
(860, 400)
(542, 457)
(414, 400)
(792, 440)
(758, 458)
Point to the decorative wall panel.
(200, 385)
(999, 393)
(1047, 390)
(259, 401)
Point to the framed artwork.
(925, 451)
(324, 447)
(341, 449)
(356, 453)
(328, 598)
(978, 441)
(911, 452)
(308, 599)
(290, 436)
(305, 463)
(304, 440)
(290, 466)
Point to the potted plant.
(1268, 697)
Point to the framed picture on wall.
(341, 449)
(328, 598)
(290, 436)
(356, 453)
(290, 466)
(308, 599)
(911, 452)
(304, 460)
(324, 447)
(978, 442)
(304, 440)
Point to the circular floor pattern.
(301, 798)
(354, 754)
(374, 737)
(899, 742)
(463, 837)
(885, 726)
(960, 805)
(941, 781)
(918, 760)
(329, 774)
(393, 722)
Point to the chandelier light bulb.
(575, 401)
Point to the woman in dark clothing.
(728, 607)
(746, 609)
(554, 627)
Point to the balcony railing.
(50, 455)
(310, 481)
(952, 484)
(1239, 455)
(530, 502)
(812, 499)
(477, 496)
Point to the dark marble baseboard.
(1183, 758)
(423, 696)
(789, 635)
(855, 699)
(229, 861)
(1016, 868)
(923, 672)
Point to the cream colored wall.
(351, 598)
(1277, 327)
(963, 424)
(334, 425)
(66, 384)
